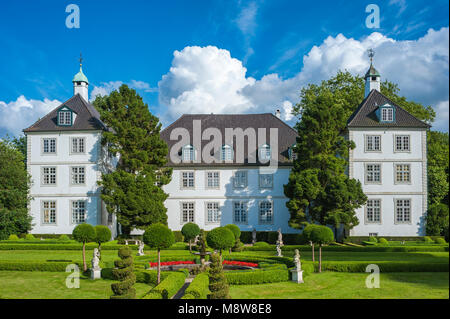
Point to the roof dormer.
(386, 113)
(65, 116)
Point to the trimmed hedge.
(168, 287)
(256, 276)
(35, 265)
(419, 248)
(385, 266)
(58, 246)
(199, 287)
(360, 239)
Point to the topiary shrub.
(13, 237)
(440, 241)
(238, 246)
(84, 233)
(220, 238)
(124, 273)
(383, 241)
(261, 244)
(102, 235)
(218, 285)
(321, 235)
(373, 239)
(63, 237)
(306, 234)
(159, 236)
(190, 231)
(178, 236)
(427, 240)
(29, 237)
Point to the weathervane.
(371, 54)
(81, 60)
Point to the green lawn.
(52, 285)
(332, 285)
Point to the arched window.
(226, 153)
(264, 153)
(188, 153)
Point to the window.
(373, 173)
(49, 212)
(212, 212)
(402, 143)
(373, 143)
(49, 146)
(188, 153)
(187, 212)
(402, 173)
(49, 175)
(264, 153)
(187, 180)
(387, 114)
(265, 212)
(77, 145)
(64, 118)
(373, 211)
(78, 175)
(403, 211)
(78, 212)
(212, 180)
(292, 154)
(226, 154)
(265, 180)
(240, 179)
(240, 212)
(373, 234)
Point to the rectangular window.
(49, 212)
(187, 180)
(49, 145)
(64, 118)
(187, 212)
(373, 143)
(49, 175)
(212, 180)
(373, 173)
(265, 180)
(240, 212)
(78, 145)
(403, 210)
(212, 212)
(387, 114)
(78, 212)
(402, 173)
(240, 179)
(402, 143)
(265, 212)
(78, 175)
(373, 211)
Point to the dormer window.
(386, 114)
(188, 153)
(264, 153)
(65, 117)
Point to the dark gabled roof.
(87, 118)
(286, 135)
(364, 116)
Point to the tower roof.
(371, 71)
(80, 77)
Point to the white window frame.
(261, 179)
(388, 116)
(76, 175)
(188, 157)
(215, 212)
(64, 117)
(402, 172)
(372, 142)
(226, 154)
(48, 139)
(366, 173)
(403, 207)
(262, 209)
(237, 180)
(190, 208)
(78, 210)
(49, 173)
(243, 209)
(72, 144)
(402, 148)
(371, 209)
(214, 179)
(188, 178)
(265, 153)
(55, 212)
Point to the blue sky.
(233, 56)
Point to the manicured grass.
(52, 285)
(332, 285)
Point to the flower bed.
(173, 263)
(239, 263)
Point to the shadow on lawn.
(436, 280)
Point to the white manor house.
(65, 160)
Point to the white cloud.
(246, 20)
(21, 113)
(441, 122)
(208, 79)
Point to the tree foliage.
(437, 220)
(84, 233)
(124, 274)
(134, 190)
(220, 238)
(438, 167)
(190, 231)
(218, 285)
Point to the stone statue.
(95, 259)
(298, 264)
(279, 251)
(141, 248)
(253, 236)
(280, 238)
(297, 272)
(126, 242)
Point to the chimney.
(278, 114)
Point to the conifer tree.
(217, 281)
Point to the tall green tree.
(14, 191)
(133, 191)
(438, 163)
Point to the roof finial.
(371, 54)
(81, 60)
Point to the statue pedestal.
(140, 254)
(297, 276)
(96, 273)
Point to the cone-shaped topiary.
(217, 281)
(124, 273)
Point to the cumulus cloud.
(21, 113)
(208, 79)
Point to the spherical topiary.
(102, 234)
(63, 237)
(261, 244)
(13, 237)
(373, 239)
(234, 229)
(322, 235)
(307, 232)
(383, 241)
(190, 231)
(159, 236)
(440, 241)
(29, 237)
(220, 238)
(428, 240)
(84, 233)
